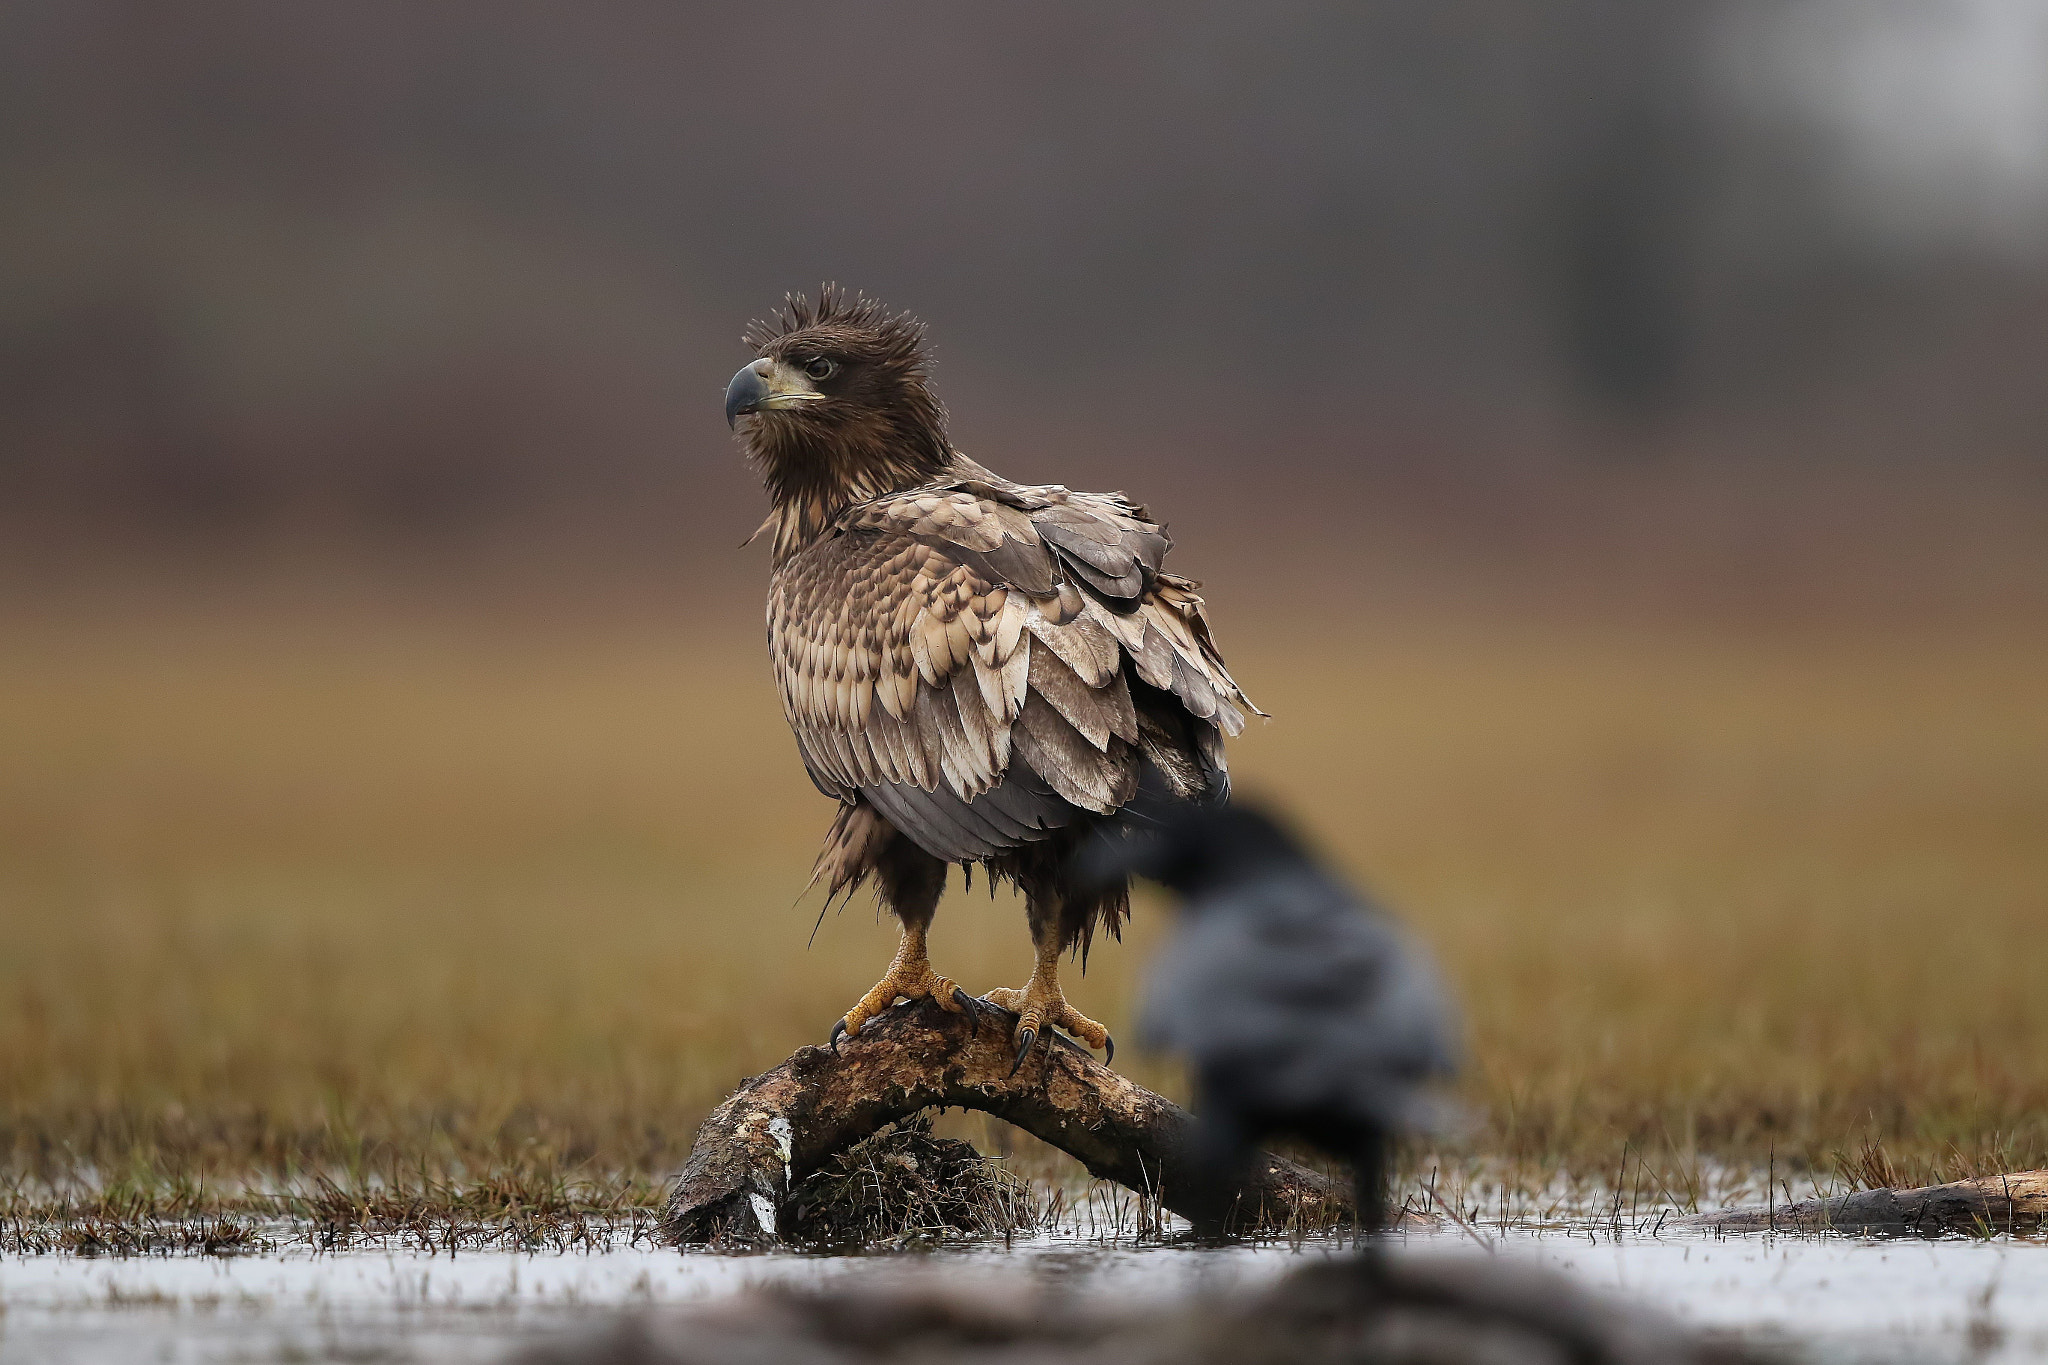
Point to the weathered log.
(778, 1127)
(1994, 1203)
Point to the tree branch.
(1994, 1203)
(780, 1126)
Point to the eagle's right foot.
(909, 977)
(1042, 1006)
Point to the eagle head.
(837, 405)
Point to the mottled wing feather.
(1090, 712)
(1082, 644)
(956, 656)
(1090, 778)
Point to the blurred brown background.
(1612, 434)
(1739, 299)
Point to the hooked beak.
(765, 386)
(746, 391)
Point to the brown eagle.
(977, 671)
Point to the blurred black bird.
(1301, 1010)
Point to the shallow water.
(1836, 1299)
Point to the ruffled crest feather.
(840, 310)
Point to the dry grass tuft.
(906, 1187)
(1871, 1170)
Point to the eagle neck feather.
(814, 476)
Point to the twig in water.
(1470, 1231)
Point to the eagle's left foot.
(1040, 1006)
(909, 977)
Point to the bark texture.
(780, 1126)
(1998, 1203)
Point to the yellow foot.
(1040, 1006)
(909, 977)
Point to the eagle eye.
(818, 367)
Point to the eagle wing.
(984, 661)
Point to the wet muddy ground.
(1825, 1299)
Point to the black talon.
(838, 1032)
(968, 1003)
(1108, 1049)
(1026, 1038)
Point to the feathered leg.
(910, 882)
